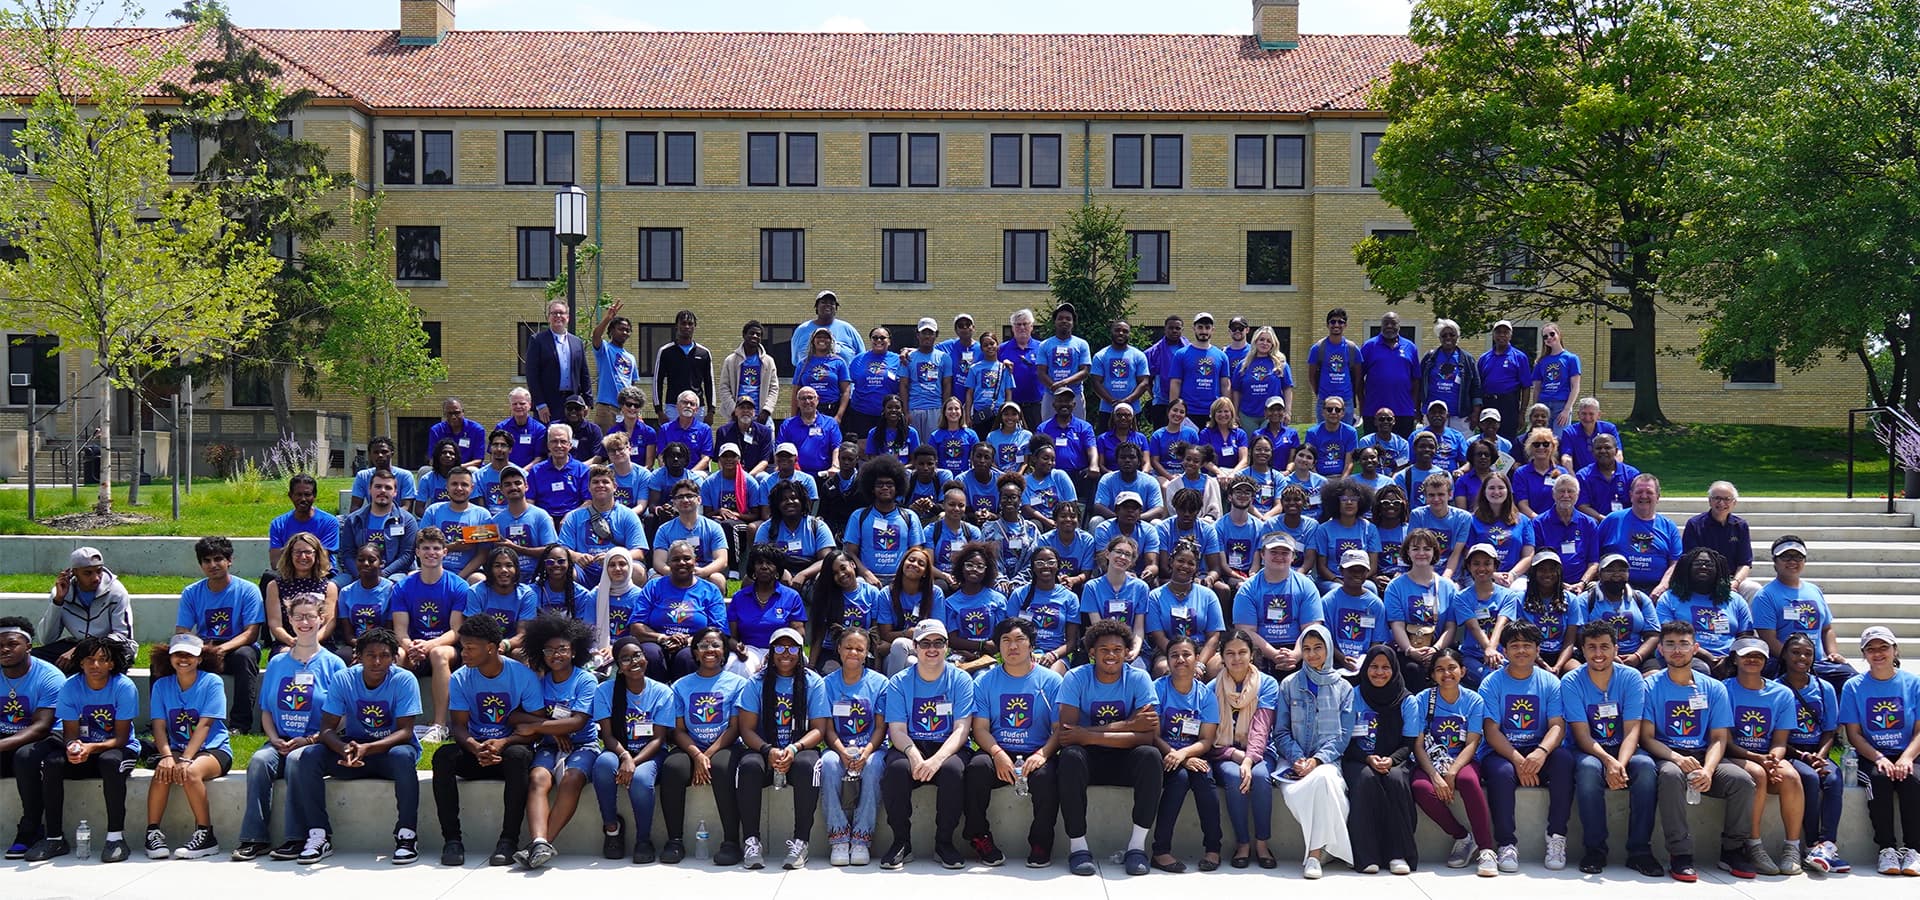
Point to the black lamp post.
(570, 228)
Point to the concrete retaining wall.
(153, 614)
(41, 554)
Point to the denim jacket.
(1312, 723)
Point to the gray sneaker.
(540, 853)
(1509, 859)
(1461, 855)
(1790, 859)
(754, 858)
(796, 855)
(1762, 863)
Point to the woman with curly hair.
(566, 742)
(1347, 503)
(878, 535)
(974, 606)
(95, 716)
(305, 568)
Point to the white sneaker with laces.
(436, 734)
(316, 849)
(1910, 862)
(1509, 859)
(1489, 865)
(1399, 867)
(1310, 869)
(1556, 852)
(839, 854)
(753, 857)
(1890, 858)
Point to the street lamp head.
(570, 215)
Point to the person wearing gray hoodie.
(86, 600)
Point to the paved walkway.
(353, 875)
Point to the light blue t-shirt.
(533, 528)
(1816, 712)
(1019, 711)
(1063, 358)
(1103, 703)
(430, 607)
(1452, 724)
(488, 702)
(1196, 615)
(1606, 713)
(369, 714)
(292, 692)
(651, 708)
(37, 690)
(1356, 622)
(972, 616)
(927, 375)
(1758, 714)
(1715, 625)
(1683, 716)
(1119, 371)
(182, 709)
(1099, 599)
(883, 538)
(704, 704)
(1468, 606)
(1789, 611)
(99, 712)
(575, 694)
(669, 609)
(615, 368)
(587, 530)
(786, 727)
(218, 617)
(929, 707)
(1553, 625)
(1884, 710)
(1051, 612)
(856, 708)
(1451, 530)
(1181, 715)
(507, 610)
(1650, 546)
(1411, 603)
(452, 522)
(706, 534)
(1278, 610)
(1522, 707)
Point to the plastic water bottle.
(1693, 792)
(1020, 788)
(1849, 768)
(779, 780)
(702, 841)
(83, 840)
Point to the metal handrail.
(1852, 422)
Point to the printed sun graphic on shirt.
(1107, 712)
(1605, 729)
(680, 611)
(1176, 724)
(1523, 712)
(98, 721)
(1641, 541)
(926, 714)
(1368, 730)
(705, 707)
(1751, 726)
(1016, 711)
(886, 536)
(1884, 714)
(295, 697)
(1350, 627)
(783, 712)
(1805, 613)
(858, 720)
(218, 622)
(1331, 454)
(376, 716)
(1499, 534)
(1238, 552)
(616, 622)
(181, 726)
(13, 710)
(429, 614)
(1682, 719)
(1117, 369)
(819, 373)
(363, 618)
(639, 724)
(504, 618)
(1450, 731)
(926, 371)
(1337, 365)
(1046, 617)
(1062, 358)
(749, 381)
(1708, 620)
(1805, 720)
(1621, 624)
(974, 622)
(493, 708)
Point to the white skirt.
(1319, 803)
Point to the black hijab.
(1384, 701)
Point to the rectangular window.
(250, 387)
(1514, 262)
(681, 168)
(783, 255)
(1249, 161)
(660, 254)
(1269, 257)
(1621, 356)
(1369, 169)
(883, 160)
(32, 355)
(1759, 371)
(436, 157)
(1129, 160)
(11, 151)
(523, 333)
(1025, 257)
(416, 252)
(1149, 250)
(779, 344)
(1290, 161)
(1005, 162)
(539, 254)
(559, 150)
(803, 160)
(645, 344)
(923, 160)
(903, 256)
(520, 157)
(284, 128)
(643, 164)
(398, 147)
(1527, 338)
(1044, 164)
(763, 159)
(280, 244)
(184, 148)
(1167, 160)
(432, 330)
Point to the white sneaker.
(1890, 861)
(839, 854)
(1461, 856)
(436, 734)
(860, 854)
(1910, 862)
(1556, 852)
(1370, 869)
(1489, 866)
(1399, 867)
(1310, 869)
(1509, 860)
(753, 858)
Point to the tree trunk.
(277, 383)
(103, 504)
(1646, 361)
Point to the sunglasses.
(931, 644)
(785, 650)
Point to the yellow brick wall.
(1209, 162)
(964, 156)
(1332, 158)
(477, 157)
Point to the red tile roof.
(701, 71)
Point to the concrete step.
(1844, 533)
(1898, 587)
(1750, 506)
(1803, 521)
(1852, 552)
(1848, 629)
(1823, 570)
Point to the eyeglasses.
(629, 661)
(556, 651)
(931, 644)
(785, 650)
(1719, 499)
(1540, 444)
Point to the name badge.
(842, 710)
(1366, 621)
(1059, 442)
(638, 728)
(1607, 710)
(1566, 548)
(1697, 701)
(559, 712)
(1190, 728)
(526, 439)
(793, 546)
(943, 709)
(814, 431)
(1116, 607)
(465, 443)
(397, 529)
(558, 486)
(1274, 614)
(303, 678)
(1361, 730)
(955, 545)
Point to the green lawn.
(1761, 460)
(235, 509)
(136, 584)
(245, 745)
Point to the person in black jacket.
(1381, 817)
(556, 365)
(683, 366)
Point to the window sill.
(1269, 288)
(1008, 286)
(782, 286)
(1752, 386)
(902, 286)
(421, 282)
(660, 285)
(1153, 286)
(1618, 385)
(528, 284)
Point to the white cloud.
(844, 23)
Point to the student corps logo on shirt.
(858, 720)
(974, 621)
(1751, 727)
(1351, 628)
(1805, 720)
(1016, 711)
(98, 720)
(219, 622)
(1641, 541)
(783, 712)
(1806, 614)
(364, 617)
(1709, 620)
(493, 708)
(1107, 712)
(1450, 731)
(429, 614)
(1046, 616)
(1523, 712)
(926, 371)
(1605, 729)
(295, 697)
(1118, 369)
(886, 536)
(504, 618)
(13, 710)
(705, 707)
(376, 716)
(180, 728)
(926, 713)
(1884, 714)
(1683, 720)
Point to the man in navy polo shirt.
(302, 491)
(1391, 368)
(1504, 374)
(454, 425)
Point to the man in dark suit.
(556, 365)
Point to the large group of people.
(909, 577)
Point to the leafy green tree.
(1532, 147)
(1093, 271)
(114, 258)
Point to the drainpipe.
(599, 271)
(1086, 162)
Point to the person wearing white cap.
(1686, 725)
(1505, 372)
(189, 711)
(1525, 741)
(87, 600)
(988, 384)
(1122, 375)
(926, 378)
(1878, 710)
(1201, 374)
(1764, 717)
(1276, 603)
(786, 468)
(929, 715)
(1355, 616)
(733, 497)
(826, 310)
(963, 349)
(1479, 611)
(1546, 602)
(1790, 604)
(1009, 441)
(1450, 440)
(1636, 625)
(783, 713)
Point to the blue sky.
(1142, 16)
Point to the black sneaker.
(46, 849)
(672, 853)
(200, 844)
(22, 842)
(318, 847)
(1594, 861)
(502, 854)
(453, 853)
(1735, 861)
(405, 849)
(286, 852)
(613, 844)
(987, 850)
(115, 851)
(643, 851)
(1039, 857)
(157, 844)
(249, 851)
(728, 855)
(1645, 864)
(1682, 869)
(897, 856)
(948, 855)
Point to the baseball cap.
(963, 317)
(788, 633)
(1487, 549)
(1280, 539)
(1206, 317)
(189, 644)
(576, 400)
(929, 628)
(82, 557)
(1009, 405)
(517, 470)
(1503, 323)
(729, 448)
(1063, 392)
(1237, 322)
(787, 448)
(1878, 633)
(1440, 403)
(1745, 646)
(927, 324)
(1788, 543)
(1612, 558)
(744, 401)
(1276, 400)
(1486, 414)
(1123, 407)
(826, 295)
(1128, 497)
(1355, 557)
(1541, 556)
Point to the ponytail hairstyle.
(619, 717)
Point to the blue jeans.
(307, 789)
(866, 809)
(1502, 781)
(1259, 796)
(1590, 792)
(267, 766)
(639, 792)
(1206, 805)
(1824, 793)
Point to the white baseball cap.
(929, 628)
(189, 644)
(927, 324)
(1354, 557)
(788, 448)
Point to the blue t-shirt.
(1450, 448)
(668, 609)
(572, 600)
(1331, 449)
(953, 448)
(972, 616)
(1332, 539)
(507, 610)
(824, 374)
(431, 489)
(1076, 558)
(1650, 546)
(1257, 380)
(989, 384)
(662, 479)
(1758, 714)
(963, 355)
(901, 443)
(404, 487)
(1100, 600)
(846, 339)
(1119, 371)
(718, 492)
(322, 525)
(430, 607)
(1632, 616)
(218, 617)
(704, 704)
(1063, 358)
(1393, 557)
(588, 530)
(1041, 493)
(1523, 708)
(1302, 532)
(369, 714)
(876, 376)
(1366, 722)
(1554, 376)
(1451, 724)
(1337, 363)
(1392, 449)
(882, 539)
(1553, 625)
(1203, 375)
(1510, 540)
(647, 710)
(489, 701)
(616, 369)
(1715, 625)
(856, 708)
(1160, 444)
(533, 528)
(1019, 711)
(37, 690)
(1112, 485)
(927, 375)
(1051, 611)
(1605, 713)
(572, 695)
(99, 712)
(1452, 530)
(1104, 704)
(806, 540)
(1468, 606)
(1201, 534)
(1816, 712)
(1196, 615)
(1240, 542)
(623, 609)
(771, 477)
(1884, 710)
(929, 707)
(292, 691)
(1683, 716)
(452, 523)
(753, 624)
(1411, 603)
(786, 728)
(1357, 622)
(706, 534)
(1279, 611)
(1390, 374)
(1145, 535)
(1009, 450)
(1792, 610)
(1181, 715)
(180, 710)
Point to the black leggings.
(752, 773)
(1882, 795)
(112, 767)
(1081, 767)
(676, 775)
(452, 762)
(949, 793)
(982, 780)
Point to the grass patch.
(136, 584)
(1762, 460)
(244, 746)
(232, 508)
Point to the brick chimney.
(1275, 22)
(425, 22)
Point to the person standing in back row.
(1334, 365)
(1390, 365)
(683, 366)
(556, 365)
(1504, 374)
